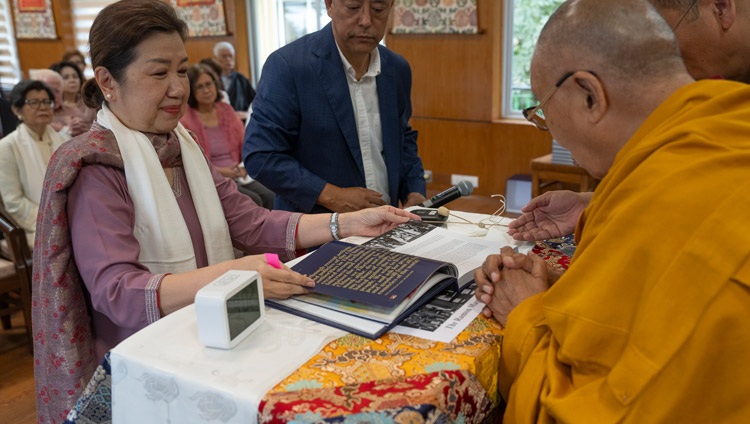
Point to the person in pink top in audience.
(220, 132)
(73, 113)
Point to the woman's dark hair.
(211, 63)
(58, 67)
(118, 30)
(194, 72)
(70, 54)
(20, 90)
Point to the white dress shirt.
(364, 94)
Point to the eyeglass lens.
(35, 103)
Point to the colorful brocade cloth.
(402, 379)
(355, 376)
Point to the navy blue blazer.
(302, 133)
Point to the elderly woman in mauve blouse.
(25, 152)
(134, 219)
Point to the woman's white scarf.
(32, 164)
(161, 231)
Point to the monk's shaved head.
(624, 38)
(621, 61)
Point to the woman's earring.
(109, 96)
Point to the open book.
(369, 289)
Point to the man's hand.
(349, 199)
(553, 214)
(413, 199)
(507, 279)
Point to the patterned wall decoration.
(205, 18)
(34, 19)
(435, 17)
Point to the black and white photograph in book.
(438, 310)
(400, 235)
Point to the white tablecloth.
(163, 374)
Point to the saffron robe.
(651, 322)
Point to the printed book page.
(427, 241)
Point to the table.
(544, 172)
(164, 374)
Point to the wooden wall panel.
(455, 96)
(452, 74)
(492, 151)
(34, 54)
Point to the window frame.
(10, 67)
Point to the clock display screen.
(243, 309)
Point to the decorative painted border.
(34, 19)
(435, 17)
(205, 18)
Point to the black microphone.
(463, 188)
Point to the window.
(10, 70)
(523, 22)
(275, 23)
(84, 13)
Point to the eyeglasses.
(690, 8)
(535, 114)
(205, 86)
(35, 103)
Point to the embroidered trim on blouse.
(291, 242)
(152, 305)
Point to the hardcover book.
(368, 289)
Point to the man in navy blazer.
(330, 127)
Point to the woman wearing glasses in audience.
(220, 132)
(25, 153)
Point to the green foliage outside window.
(529, 16)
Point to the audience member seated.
(555, 213)
(238, 87)
(77, 58)
(133, 218)
(25, 152)
(330, 129)
(78, 116)
(650, 322)
(220, 132)
(54, 81)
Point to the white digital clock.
(229, 308)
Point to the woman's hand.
(372, 221)
(277, 283)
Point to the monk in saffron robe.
(651, 322)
